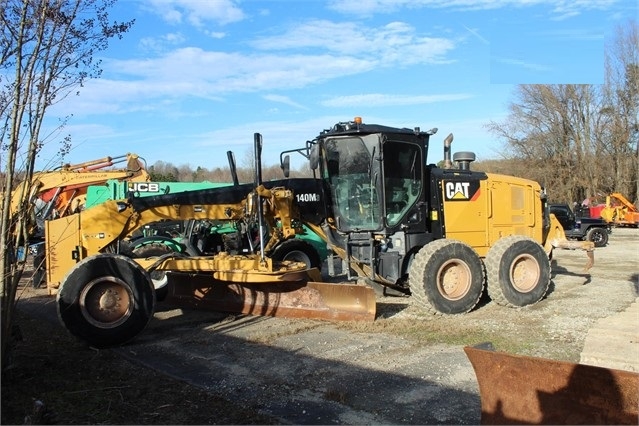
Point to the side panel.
(465, 206)
(480, 212)
(515, 208)
(62, 241)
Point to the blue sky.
(196, 78)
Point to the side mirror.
(314, 157)
(286, 166)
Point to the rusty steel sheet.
(316, 300)
(518, 389)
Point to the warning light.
(358, 120)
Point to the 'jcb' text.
(144, 186)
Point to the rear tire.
(518, 271)
(599, 236)
(446, 277)
(106, 300)
(296, 250)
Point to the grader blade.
(523, 390)
(288, 299)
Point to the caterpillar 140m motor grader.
(394, 219)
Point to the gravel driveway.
(405, 368)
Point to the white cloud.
(522, 64)
(284, 100)
(303, 55)
(288, 61)
(158, 44)
(562, 9)
(385, 45)
(215, 34)
(197, 12)
(385, 100)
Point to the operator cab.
(373, 174)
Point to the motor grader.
(395, 220)
(439, 234)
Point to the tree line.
(162, 171)
(579, 141)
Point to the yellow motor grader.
(440, 235)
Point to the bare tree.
(620, 112)
(47, 51)
(576, 140)
(548, 131)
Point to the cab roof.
(355, 127)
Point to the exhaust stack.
(448, 164)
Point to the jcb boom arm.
(63, 190)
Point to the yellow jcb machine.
(62, 191)
(56, 193)
(394, 219)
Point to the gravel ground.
(404, 368)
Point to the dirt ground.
(405, 368)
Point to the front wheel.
(599, 236)
(518, 271)
(446, 277)
(296, 250)
(106, 300)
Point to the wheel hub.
(109, 301)
(525, 273)
(453, 280)
(106, 302)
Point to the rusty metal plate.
(517, 389)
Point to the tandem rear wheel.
(446, 277)
(518, 271)
(106, 300)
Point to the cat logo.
(460, 191)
